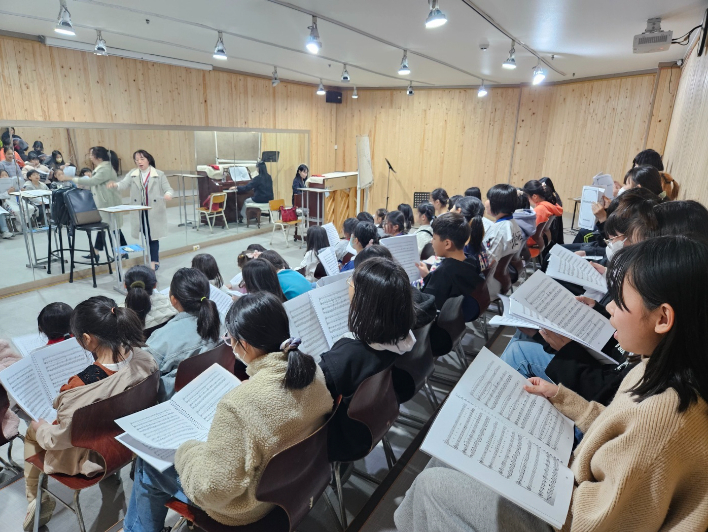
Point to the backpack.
(60, 214)
(81, 207)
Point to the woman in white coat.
(150, 187)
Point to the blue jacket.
(173, 343)
(293, 284)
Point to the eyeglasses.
(350, 282)
(612, 239)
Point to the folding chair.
(94, 428)
(218, 199)
(275, 215)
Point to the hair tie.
(290, 344)
(203, 298)
(113, 310)
(137, 284)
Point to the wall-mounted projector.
(653, 39)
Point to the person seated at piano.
(263, 187)
(299, 182)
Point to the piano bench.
(254, 212)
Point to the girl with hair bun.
(114, 336)
(284, 401)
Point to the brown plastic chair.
(538, 239)
(483, 296)
(347, 258)
(10, 465)
(374, 404)
(502, 275)
(293, 480)
(518, 263)
(546, 232)
(93, 427)
(192, 367)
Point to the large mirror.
(198, 164)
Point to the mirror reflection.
(201, 187)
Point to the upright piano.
(207, 185)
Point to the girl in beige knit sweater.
(284, 401)
(642, 464)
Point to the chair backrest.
(275, 204)
(218, 198)
(481, 293)
(4, 405)
(546, 230)
(451, 318)
(537, 235)
(517, 260)
(374, 404)
(296, 477)
(319, 271)
(347, 258)
(502, 275)
(417, 365)
(191, 367)
(94, 426)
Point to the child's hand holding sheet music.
(541, 387)
(554, 340)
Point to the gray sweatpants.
(442, 499)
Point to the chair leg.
(285, 232)
(77, 509)
(9, 457)
(332, 509)
(71, 236)
(91, 255)
(226, 225)
(428, 385)
(389, 453)
(38, 504)
(339, 488)
(177, 525)
(108, 260)
(272, 235)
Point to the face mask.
(58, 159)
(352, 242)
(614, 247)
(621, 191)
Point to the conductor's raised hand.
(541, 387)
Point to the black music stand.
(270, 157)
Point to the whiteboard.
(364, 162)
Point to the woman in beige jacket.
(284, 401)
(642, 464)
(113, 335)
(148, 187)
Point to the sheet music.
(3, 211)
(70, 171)
(57, 363)
(236, 280)
(239, 173)
(508, 319)
(160, 459)
(187, 416)
(330, 279)
(29, 342)
(557, 305)
(567, 266)
(6, 183)
(606, 182)
(327, 258)
(405, 251)
(304, 324)
(586, 216)
(333, 236)
(222, 300)
(514, 442)
(22, 383)
(332, 306)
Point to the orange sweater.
(544, 210)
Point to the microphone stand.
(389, 170)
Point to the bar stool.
(88, 228)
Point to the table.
(112, 212)
(319, 195)
(28, 195)
(577, 201)
(182, 197)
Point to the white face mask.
(614, 247)
(621, 191)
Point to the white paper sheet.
(70, 171)
(6, 183)
(236, 280)
(330, 279)
(564, 265)
(160, 459)
(186, 416)
(562, 313)
(586, 216)
(508, 319)
(405, 251)
(3, 211)
(606, 182)
(327, 258)
(333, 236)
(222, 300)
(332, 306)
(29, 342)
(239, 173)
(304, 324)
(514, 442)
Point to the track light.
(220, 52)
(538, 74)
(404, 66)
(355, 93)
(100, 47)
(436, 17)
(313, 44)
(482, 89)
(275, 78)
(64, 25)
(321, 89)
(509, 63)
(410, 90)
(345, 77)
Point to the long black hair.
(645, 176)
(671, 270)
(536, 187)
(140, 282)
(54, 320)
(316, 238)
(260, 320)
(145, 154)
(381, 310)
(192, 290)
(207, 264)
(396, 219)
(547, 183)
(406, 210)
(440, 195)
(105, 155)
(298, 171)
(113, 327)
(633, 214)
(276, 260)
(681, 218)
(260, 276)
(426, 209)
(473, 210)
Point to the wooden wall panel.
(668, 81)
(686, 151)
(57, 85)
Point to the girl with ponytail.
(284, 401)
(194, 330)
(472, 210)
(114, 337)
(544, 202)
(153, 308)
